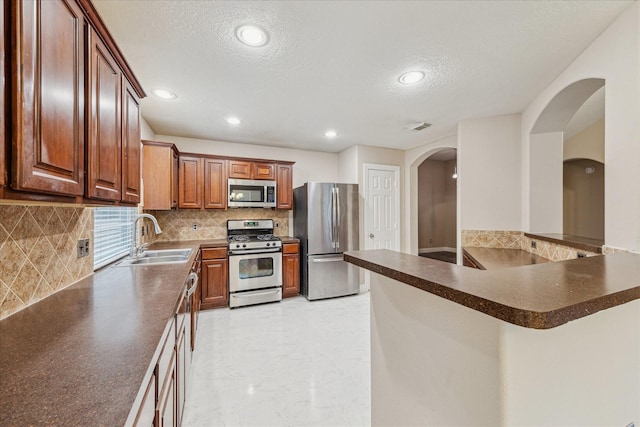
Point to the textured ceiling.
(335, 64)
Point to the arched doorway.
(437, 206)
(558, 185)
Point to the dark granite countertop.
(80, 356)
(539, 296)
(493, 258)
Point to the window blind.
(112, 234)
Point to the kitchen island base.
(435, 362)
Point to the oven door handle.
(254, 251)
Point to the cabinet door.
(104, 176)
(181, 377)
(166, 407)
(130, 144)
(264, 171)
(284, 199)
(48, 129)
(290, 270)
(215, 184)
(215, 290)
(174, 178)
(190, 182)
(147, 411)
(240, 169)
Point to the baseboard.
(439, 249)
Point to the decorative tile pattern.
(606, 250)
(517, 240)
(212, 224)
(492, 239)
(38, 252)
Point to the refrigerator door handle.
(333, 217)
(337, 224)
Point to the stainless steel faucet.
(135, 250)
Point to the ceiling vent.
(421, 126)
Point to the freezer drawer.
(330, 276)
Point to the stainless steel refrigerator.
(325, 218)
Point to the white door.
(382, 207)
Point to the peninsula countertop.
(539, 296)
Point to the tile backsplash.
(38, 254)
(517, 240)
(210, 224)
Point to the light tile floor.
(294, 363)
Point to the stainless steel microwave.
(247, 193)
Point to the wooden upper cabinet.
(263, 170)
(215, 183)
(190, 182)
(104, 145)
(174, 177)
(160, 175)
(130, 144)
(284, 199)
(240, 169)
(48, 129)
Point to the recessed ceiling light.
(331, 134)
(412, 77)
(252, 35)
(164, 94)
(233, 120)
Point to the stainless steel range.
(255, 262)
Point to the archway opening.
(437, 206)
(566, 140)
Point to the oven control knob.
(244, 246)
(268, 244)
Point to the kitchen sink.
(159, 257)
(166, 252)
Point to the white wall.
(615, 57)
(489, 173)
(309, 166)
(145, 130)
(587, 144)
(545, 152)
(348, 165)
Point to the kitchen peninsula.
(556, 343)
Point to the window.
(111, 234)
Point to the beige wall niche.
(583, 198)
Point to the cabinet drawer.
(290, 248)
(214, 253)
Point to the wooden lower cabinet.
(215, 278)
(166, 408)
(290, 270)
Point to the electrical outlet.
(277, 224)
(534, 244)
(195, 226)
(430, 240)
(83, 248)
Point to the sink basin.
(166, 252)
(160, 257)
